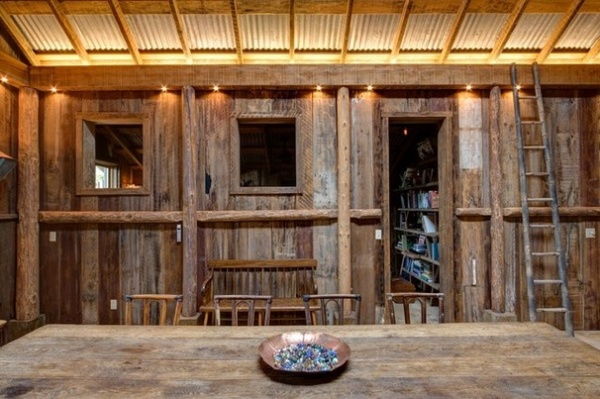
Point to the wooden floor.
(589, 337)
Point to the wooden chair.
(332, 309)
(162, 301)
(406, 298)
(249, 304)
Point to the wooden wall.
(91, 263)
(8, 203)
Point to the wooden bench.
(287, 280)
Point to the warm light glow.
(216, 88)
(54, 89)
(469, 87)
(164, 88)
(370, 88)
(4, 79)
(518, 87)
(405, 131)
(318, 87)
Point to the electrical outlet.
(53, 236)
(113, 304)
(378, 234)
(590, 232)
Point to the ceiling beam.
(18, 37)
(304, 76)
(458, 20)
(400, 30)
(129, 152)
(181, 32)
(347, 27)
(559, 30)
(508, 29)
(589, 57)
(236, 32)
(125, 30)
(67, 27)
(292, 30)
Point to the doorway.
(418, 205)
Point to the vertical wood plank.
(344, 146)
(28, 204)
(496, 221)
(189, 205)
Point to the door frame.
(446, 195)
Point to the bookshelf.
(415, 219)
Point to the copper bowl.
(269, 348)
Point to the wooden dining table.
(454, 360)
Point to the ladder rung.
(529, 97)
(547, 281)
(553, 253)
(542, 226)
(556, 310)
(537, 174)
(531, 122)
(532, 199)
(533, 147)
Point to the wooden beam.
(27, 302)
(399, 34)
(67, 27)
(292, 30)
(508, 29)
(347, 26)
(559, 30)
(181, 31)
(125, 30)
(344, 182)
(497, 267)
(16, 34)
(189, 202)
(95, 78)
(16, 72)
(56, 217)
(131, 154)
(236, 32)
(516, 212)
(458, 20)
(593, 53)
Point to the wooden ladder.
(539, 141)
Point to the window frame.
(235, 187)
(85, 155)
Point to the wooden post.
(189, 199)
(28, 203)
(496, 221)
(344, 248)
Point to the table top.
(453, 360)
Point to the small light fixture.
(215, 88)
(405, 131)
(319, 88)
(164, 88)
(4, 79)
(370, 88)
(53, 89)
(518, 87)
(469, 87)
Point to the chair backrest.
(332, 309)
(406, 298)
(163, 302)
(247, 304)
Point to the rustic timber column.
(189, 198)
(344, 248)
(28, 204)
(496, 221)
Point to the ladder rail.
(558, 252)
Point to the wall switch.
(179, 233)
(113, 304)
(590, 232)
(53, 236)
(378, 234)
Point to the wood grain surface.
(455, 360)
